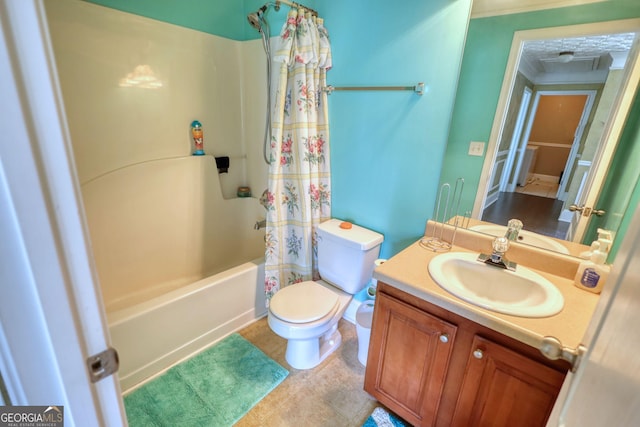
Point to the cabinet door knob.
(478, 354)
(444, 338)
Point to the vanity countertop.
(408, 271)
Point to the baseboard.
(491, 199)
(566, 215)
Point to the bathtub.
(154, 335)
(179, 264)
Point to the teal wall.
(483, 66)
(386, 147)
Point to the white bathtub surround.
(159, 218)
(218, 81)
(163, 224)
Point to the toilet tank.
(346, 256)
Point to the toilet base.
(307, 354)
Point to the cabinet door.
(408, 359)
(504, 388)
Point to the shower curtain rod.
(294, 4)
(419, 88)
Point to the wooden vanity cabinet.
(435, 368)
(412, 352)
(504, 388)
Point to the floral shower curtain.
(298, 196)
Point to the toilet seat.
(303, 302)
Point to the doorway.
(582, 177)
(545, 144)
(551, 145)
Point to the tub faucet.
(513, 228)
(497, 259)
(260, 224)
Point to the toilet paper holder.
(371, 290)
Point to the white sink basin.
(524, 236)
(522, 293)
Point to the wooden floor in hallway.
(538, 214)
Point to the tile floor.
(328, 395)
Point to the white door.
(51, 314)
(573, 153)
(594, 180)
(605, 390)
(517, 146)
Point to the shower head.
(255, 18)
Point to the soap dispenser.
(602, 234)
(592, 274)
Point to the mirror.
(534, 174)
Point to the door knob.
(586, 211)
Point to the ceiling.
(592, 57)
(484, 8)
(589, 56)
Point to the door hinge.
(103, 364)
(553, 349)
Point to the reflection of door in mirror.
(566, 160)
(502, 177)
(509, 179)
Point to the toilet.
(306, 314)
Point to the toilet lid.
(303, 302)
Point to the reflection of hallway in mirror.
(538, 214)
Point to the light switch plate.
(476, 148)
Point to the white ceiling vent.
(575, 65)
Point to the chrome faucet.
(260, 224)
(497, 259)
(513, 228)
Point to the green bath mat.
(214, 388)
(382, 418)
